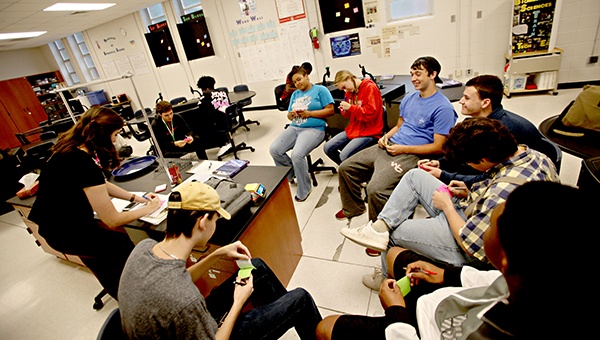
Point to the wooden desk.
(268, 227)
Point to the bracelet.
(132, 198)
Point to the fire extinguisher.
(315, 39)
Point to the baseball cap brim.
(223, 213)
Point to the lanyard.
(170, 129)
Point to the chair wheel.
(257, 123)
(98, 305)
(252, 149)
(334, 171)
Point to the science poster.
(345, 45)
(532, 25)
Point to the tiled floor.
(44, 297)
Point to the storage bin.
(96, 97)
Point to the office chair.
(217, 133)
(178, 100)
(22, 139)
(222, 89)
(48, 135)
(243, 122)
(112, 329)
(278, 92)
(36, 156)
(141, 135)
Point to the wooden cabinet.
(42, 84)
(21, 109)
(532, 72)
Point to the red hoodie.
(365, 112)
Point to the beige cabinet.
(532, 72)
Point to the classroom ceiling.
(29, 16)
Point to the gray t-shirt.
(158, 300)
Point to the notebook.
(231, 168)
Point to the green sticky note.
(245, 268)
(404, 284)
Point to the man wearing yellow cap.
(158, 298)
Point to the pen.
(428, 272)
(144, 196)
(241, 283)
(458, 188)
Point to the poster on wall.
(247, 7)
(345, 45)
(289, 10)
(341, 15)
(532, 25)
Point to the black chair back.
(552, 151)
(240, 88)
(278, 92)
(178, 100)
(141, 135)
(48, 135)
(112, 329)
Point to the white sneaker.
(224, 149)
(368, 237)
(374, 280)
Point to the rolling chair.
(214, 135)
(36, 156)
(243, 122)
(278, 92)
(141, 135)
(178, 100)
(47, 135)
(112, 329)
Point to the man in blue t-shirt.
(426, 117)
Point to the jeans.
(276, 310)
(430, 237)
(340, 147)
(301, 141)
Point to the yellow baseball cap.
(198, 196)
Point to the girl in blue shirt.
(309, 105)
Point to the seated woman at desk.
(72, 187)
(309, 105)
(173, 135)
(364, 107)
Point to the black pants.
(103, 251)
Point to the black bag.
(233, 195)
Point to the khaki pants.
(381, 170)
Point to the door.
(22, 104)
(7, 130)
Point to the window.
(156, 13)
(88, 62)
(190, 6)
(65, 62)
(407, 9)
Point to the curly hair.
(93, 131)
(206, 82)
(479, 138)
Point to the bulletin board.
(340, 15)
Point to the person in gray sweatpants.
(425, 119)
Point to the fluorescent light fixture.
(67, 6)
(20, 35)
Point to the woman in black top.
(72, 187)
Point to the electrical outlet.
(475, 74)
(593, 59)
(469, 72)
(457, 72)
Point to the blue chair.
(112, 329)
(552, 151)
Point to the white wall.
(20, 63)
(468, 42)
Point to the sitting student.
(518, 300)
(454, 233)
(173, 135)
(309, 106)
(426, 117)
(289, 84)
(483, 98)
(158, 298)
(215, 99)
(363, 106)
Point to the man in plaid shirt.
(454, 234)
